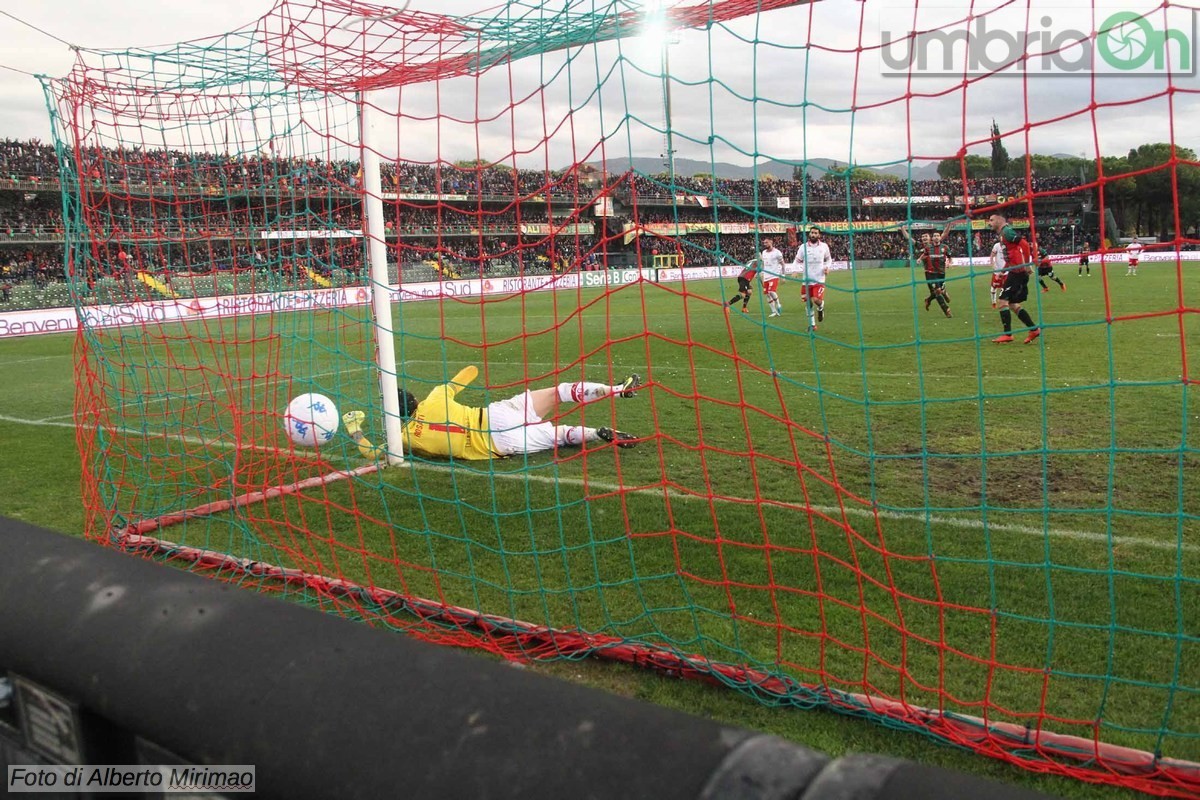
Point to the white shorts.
(516, 428)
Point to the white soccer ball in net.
(311, 420)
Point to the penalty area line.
(830, 511)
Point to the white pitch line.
(32, 360)
(830, 511)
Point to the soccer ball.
(311, 420)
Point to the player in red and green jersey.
(1045, 268)
(934, 256)
(1018, 260)
(746, 278)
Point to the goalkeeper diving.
(440, 426)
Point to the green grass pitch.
(1038, 506)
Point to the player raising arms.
(1045, 268)
(1016, 279)
(771, 261)
(440, 426)
(934, 256)
(815, 260)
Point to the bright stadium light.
(654, 24)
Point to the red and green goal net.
(857, 500)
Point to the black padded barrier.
(328, 708)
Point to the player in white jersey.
(772, 271)
(815, 259)
(1135, 252)
(999, 262)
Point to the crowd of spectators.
(139, 166)
(833, 189)
(219, 226)
(157, 167)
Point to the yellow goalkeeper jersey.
(442, 426)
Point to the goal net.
(843, 493)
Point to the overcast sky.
(739, 90)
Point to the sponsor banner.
(525, 283)
(545, 229)
(615, 277)
(423, 196)
(39, 320)
(916, 199)
(319, 233)
(676, 274)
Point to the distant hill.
(817, 168)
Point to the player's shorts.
(1016, 288)
(936, 280)
(743, 284)
(516, 428)
(1133, 262)
(997, 280)
(1045, 270)
(1083, 261)
(814, 290)
(771, 284)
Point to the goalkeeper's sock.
(585, 392)
(1006, 319)
(1026, 320)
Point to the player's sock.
(1006, 319)
(733, 300)
(1026, 320)
(574, 435)
(1060, 283)
(1042, 283)
(943, 304)
(585, 392)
